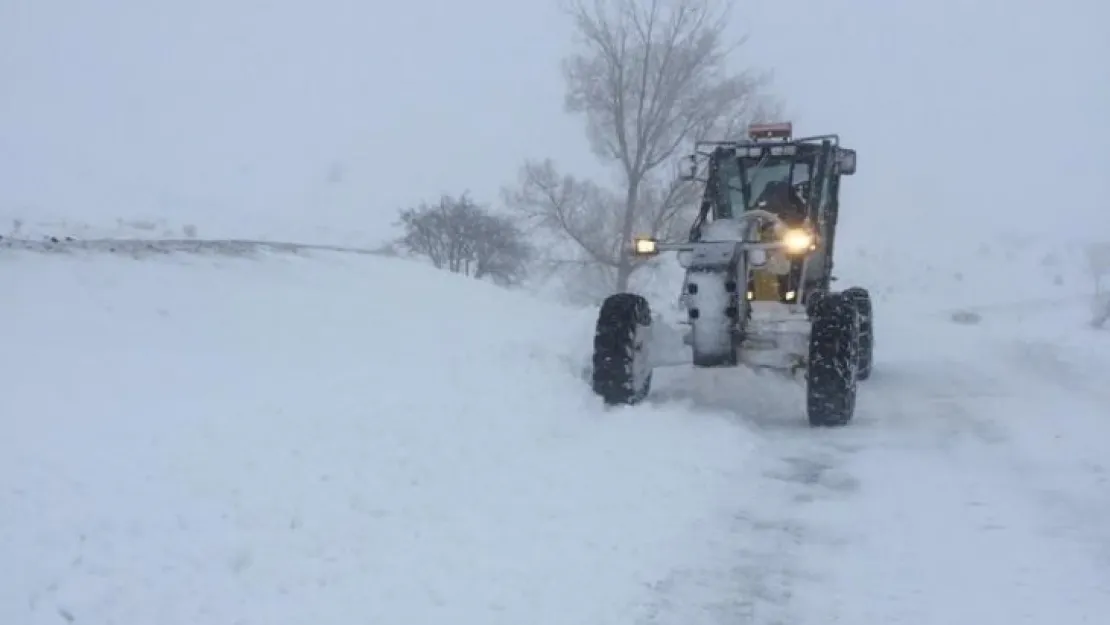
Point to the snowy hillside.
(273, 438)
(231, 226)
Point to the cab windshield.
(745, 180)
(757, 174)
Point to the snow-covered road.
(344, 439)
(972, 487)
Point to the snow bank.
(331, 439)
(16, 224)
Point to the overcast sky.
(341, 111)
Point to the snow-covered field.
(287, 440)
(15, 224)
(326, 438)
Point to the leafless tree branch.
(649, 77)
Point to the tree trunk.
(624, 266)
(1102, 310)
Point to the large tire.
(862, 300)
(833, 359)
(622, 373)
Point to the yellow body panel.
(765, 286)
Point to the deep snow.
(336, 439)
(330, 438)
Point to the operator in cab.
(780, 198)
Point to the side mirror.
(846, 161)
(689, 169)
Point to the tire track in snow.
(1072, 403)
(928, 473)
(947, 491)
(759, 573)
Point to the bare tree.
(1098, 261)
(458, 235)
(650, 77)
(1101, 310)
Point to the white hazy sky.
(341, 111)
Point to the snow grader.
(758, 277)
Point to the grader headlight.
(799, 241)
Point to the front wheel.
(622, 371)
(833, 361)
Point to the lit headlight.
(798, 241)
(644, 247)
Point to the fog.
(992, 113)
(251, 113)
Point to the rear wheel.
(861, 298)
(622, 371)
(833, 360)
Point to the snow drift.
(277, 439)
